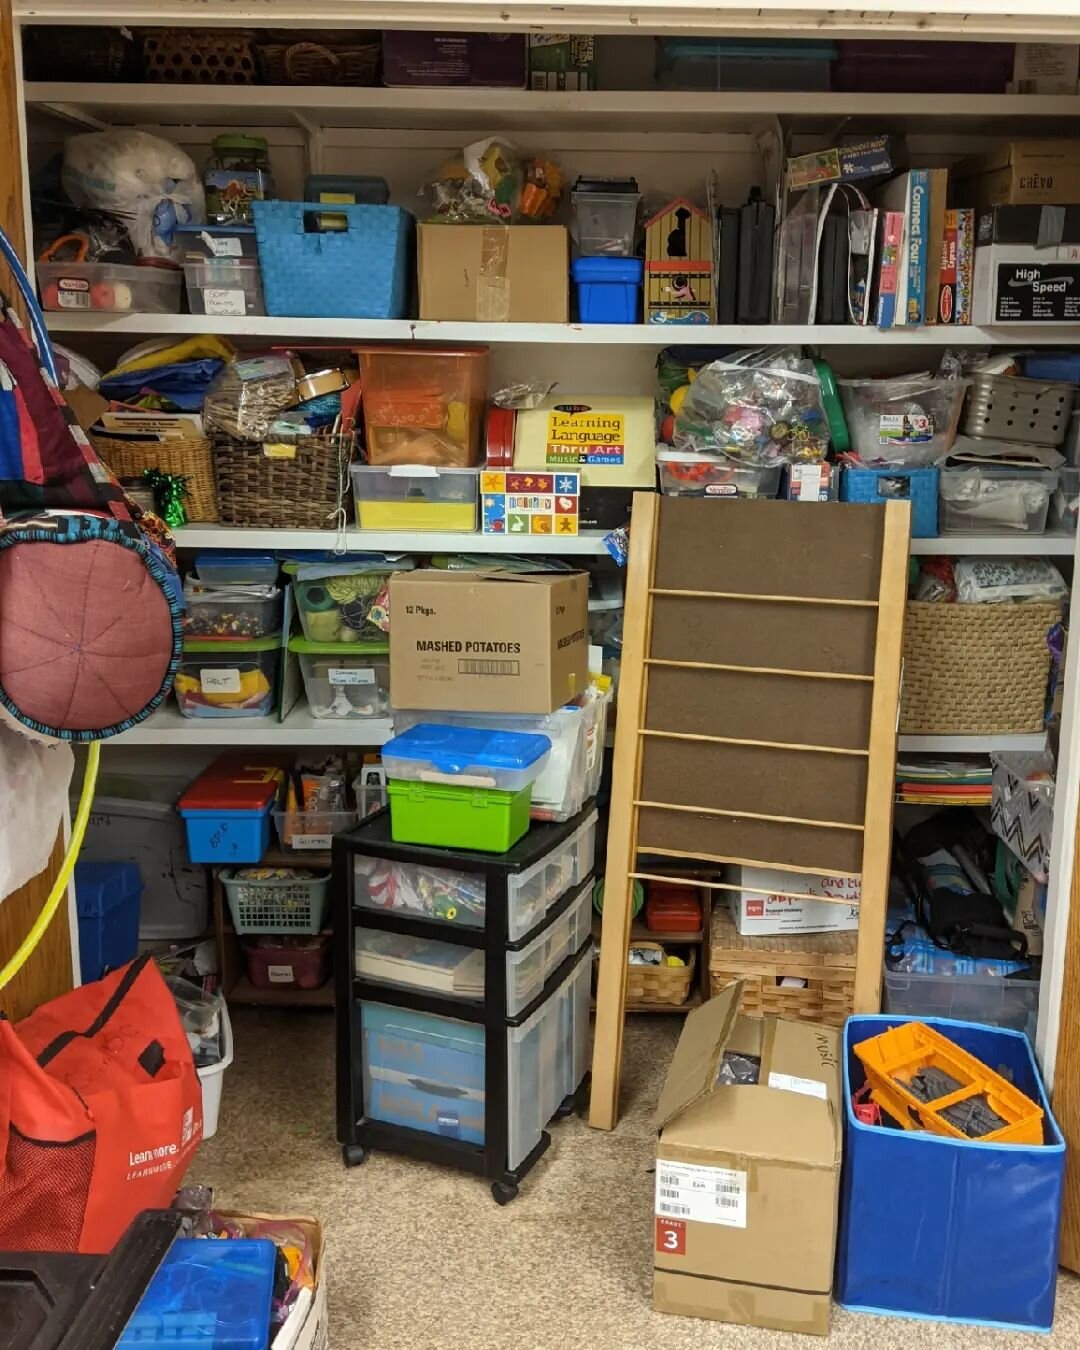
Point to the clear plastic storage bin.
(1066, 505)
(228, 679)
(428, 892)
(605, 223)
(236, 569)
(980, 500)
(423, 405)
(420, 963)
(341, 680)
(224, 287)
(311, 831)
(433, 752)
(217, 241)
(109, 288)
(339, 608)
(535, 891)
(416, 497)
(528, 970)
(683, 473)
(989, 999)
(232, 611)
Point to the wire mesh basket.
(275, 904)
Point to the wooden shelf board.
(244, 992)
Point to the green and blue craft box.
(950, 1230)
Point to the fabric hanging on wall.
(34, 782)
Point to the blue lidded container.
(432, 752)
(236, 569)
(608, 289)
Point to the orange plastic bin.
(423, 405)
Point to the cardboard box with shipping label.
(772, 901)
(1031, 173)
(495, 642)
(748, 1175)
(494, 273)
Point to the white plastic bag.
(149, 182)
(34, 780)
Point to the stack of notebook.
(943, 782)
(423, 964)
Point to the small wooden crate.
(826, 961)
(660, 985)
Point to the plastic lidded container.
(231, 611)
(416, 497)
(608, 289)
(217, 241)
(423, 405)
(225, 678)
(343, 679)
(684, 473)
(236, 569)
(207, 1293)
(236, 174)
(1067, 500)
(982, 500)
(431, 752)
(225, 287)
(343, 607)
(605, 216)
(109, 288)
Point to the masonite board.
(757, 720)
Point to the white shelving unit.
(671, 140)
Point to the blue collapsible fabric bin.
(361, 272)
(107, 899)
(919, 486)
(608, 289)
(943, 1229)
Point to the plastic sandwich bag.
(34, 780)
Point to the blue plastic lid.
(454, 749)
(101, 886)
(235, 560)
(216, 230)
(621, 270)
(208, 1294)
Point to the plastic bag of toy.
(149, 182)
(492, 182)
(760, 407)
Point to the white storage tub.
(212, 1078)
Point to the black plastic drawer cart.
(463, 995)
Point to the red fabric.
(85, 633)
(100, 1113)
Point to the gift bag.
(100, 1113)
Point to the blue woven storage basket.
(358, 273)
(918, 486)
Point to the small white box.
(1019, 283)
(765, 906)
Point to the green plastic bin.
(457, 817)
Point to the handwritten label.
(217, 681)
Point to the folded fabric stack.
(943, 782)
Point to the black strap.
(119, 994)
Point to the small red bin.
(299, 963)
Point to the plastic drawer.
(420, 963)
(532, 1083)
(430, 892)
(533, 892)
(574, 1012)
(987, 999)
(528, 970)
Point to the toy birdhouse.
(679, 265)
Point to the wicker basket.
(826, 961)
(201, 56)
(665, 986)
(283, 484)
(76, 53)
(187, 455)
(322, 58)
(977, 670)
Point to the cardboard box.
(1018, 283)
(759, 911)
(748, 1177)
(1031, 173)
(562, 61)
(842, 164)
(495, 642)
(480, 60)
(494, 273)
(306, 1328)
(530, 503)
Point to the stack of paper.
(943, 782)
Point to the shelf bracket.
(71, 112)
(313, 135)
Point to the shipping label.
(700, 1194)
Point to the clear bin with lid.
(605, 222)
(236, 569)
(109, 288)
(231, 610)
(982, 500)
(433, 752)
(224, 287)
(228, 679)
(423, 405)
(416, 497)
(344, 680)
(344, 606)
(685, 473)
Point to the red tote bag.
(100, 1113)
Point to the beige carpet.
(421, 1258)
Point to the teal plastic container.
(457, 817)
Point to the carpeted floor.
(421, 1258)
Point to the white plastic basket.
(212, 1078)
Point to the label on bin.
(279, 974)
(215, 681)
(312, 841)
(224, 302)
(222, 246)
(361, 675)
(73, 293)
(809, 1087)
(905, 428)
(702, 1194)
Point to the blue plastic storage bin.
(221, 836)
(438, 752)
(608, 289)
(236, 569)
(943, 1229)
(919, 486)
(207, 1295)
(361, 272)
(107, 898)
(1063, 366)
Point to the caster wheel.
(503, 1193)
(566, 1107)
(352, 1155)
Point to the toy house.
(679, 265)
